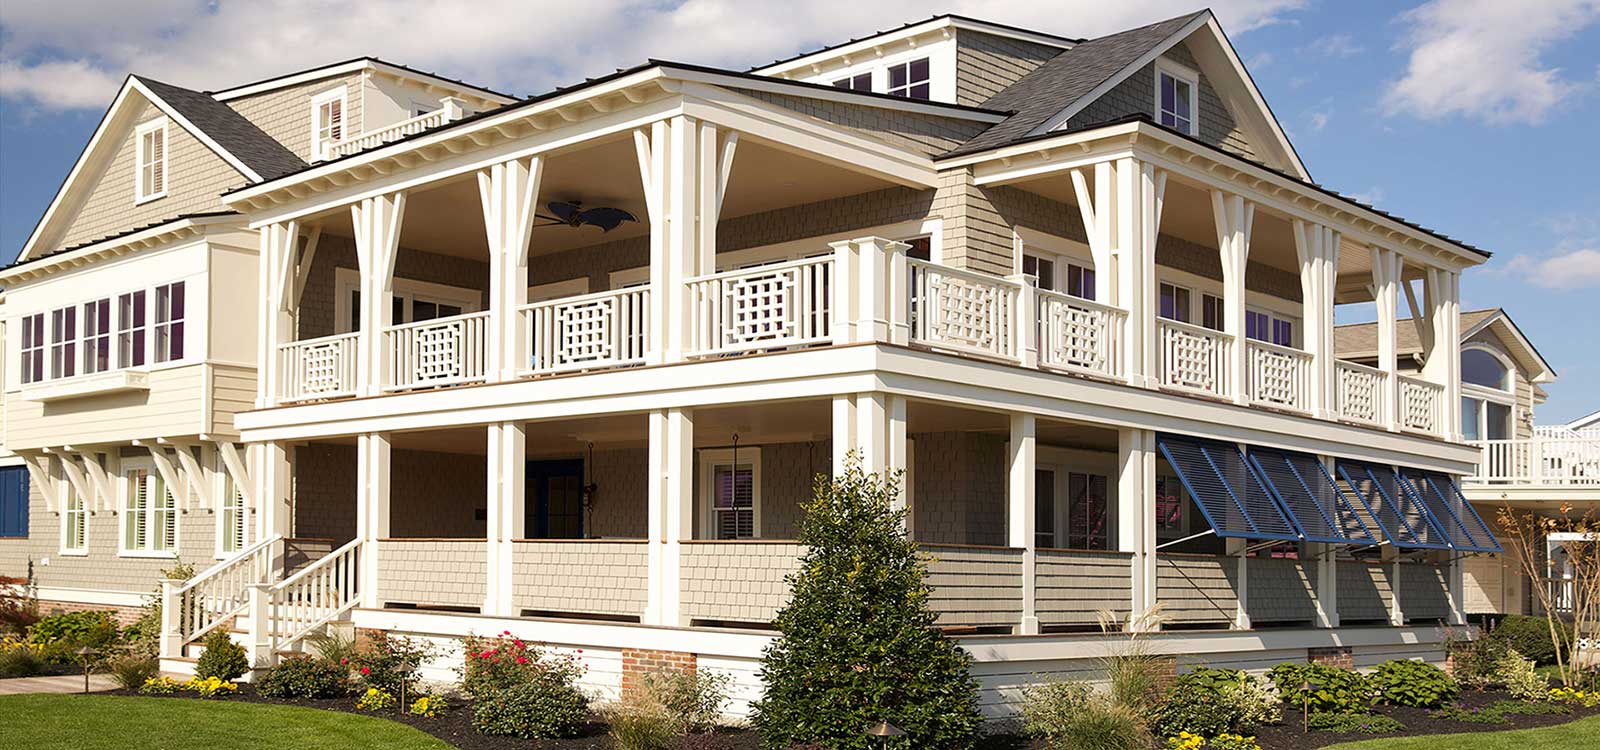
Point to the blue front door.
(556, 489)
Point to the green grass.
(96, 722)
(1577, 735)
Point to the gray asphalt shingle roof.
(235, 134)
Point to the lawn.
(1576, 735)
(96, 722)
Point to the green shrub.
(857, 642)
(64, 634)
(639, 722)
(504, 661)
(1332, 690)
(1048, 707)
(1500, 712)
(1530, 636)
(222, 659)
(1417, 684)
(1071, 715)
(333, 646)
(21, 659)
(1360, 721)
(1521, 678)
(305, 677)
(19, 609)
(390, 662)
(691, 701)
(1209, 702)
(543, 708)
(132, 669)
(1475, 661)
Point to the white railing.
(442, 351)
(450, 109)
(293, 608)
(766, 307)
(1278, 375)
(1077, 334)
(1193, 358)
(604, 329)
(1421, 405)
(963, 311)
(318, 368)
(220, 591)
(1540, 461)
(1359, 392)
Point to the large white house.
(318, 335)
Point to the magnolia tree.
(1572, 593)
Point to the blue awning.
(1404, 520)
(1227, 489)
(1306, 490)
(1462, 526)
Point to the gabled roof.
(350, 66)
(918, 27)
(1360, 340)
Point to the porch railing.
(1421, 405)
(442, 351)
(286, 612)
(318, 368)
(1572, 461)
(1193, 358)
(1080, 335)
(963, 311)
(604, 329)
(1278, 375)
(450, 109)
(219, 592)
(765, 307)
(1360, 392)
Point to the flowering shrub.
(390, 662)
(160, 685)
(428, 705)
(20, 658)
(375, 700)
(1209, 702)
(210, 687)
(506, 661)
(1585, 698)
(522, 690)
(1224, 741)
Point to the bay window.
(97, 336)
(63, 342)
(168, 326)
(32, 348)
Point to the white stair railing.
(1078, 334)
(283, 614)
(766, 307)
(1421, 405)
(963, 311)
(604, 329)
(1360, 392)
(1278, 376)
(1193, 358)
(318, 368)
(217, 593)
(441, 351)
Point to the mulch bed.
(1417, 721)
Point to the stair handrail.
(301, 601)
(190, 615)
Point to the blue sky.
(1474, 117)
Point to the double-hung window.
(732, 492)
(857, 82)
(1043, 270)
(149, 513)
(150, 180)
(1264, 326)
(1088, 515)
(97, 336)
(1080, 281)
(32, 365)
(231, 521)
(168, 326)
(1174, 302)
(1175, 98)
(1211, 311)
(327, 122)
(130, 329)
(74, 522)
(63, 342)
(910, 80)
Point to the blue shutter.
(1227, 490)
(14, 501)
(1317, 505)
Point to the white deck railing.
(286, 612)
(963, 311)
(318, 368)
(1193, 358)
(1421, 405)
(1359, 392)
(218, 592)
(1077, 334)
(1567, 461)
(1278, 375)
(604, 329)
(442, 351)
(765, 307)
(450, 110)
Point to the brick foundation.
(637, 662)
(1166, 668)
(1341, 657)
(125, 615)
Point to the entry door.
(556, 489)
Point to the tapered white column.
(1022, 454)
(1386, 268)
(507, 480)
(279, 252)
(508, 193)
(1234, 217)
(1136, 509)
(372, 511)
(670, 513)
(272, 476)
(376, 222)
(1442, 358)
(1317, 247)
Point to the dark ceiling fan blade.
(605, 217)
(565, 210)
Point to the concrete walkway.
(59, 684)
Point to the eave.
(160, 234)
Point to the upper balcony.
(1569, 460)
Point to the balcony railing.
(1278, 376)
(1078, 335)
(1421, 405)
(1193, 358)
(1360, 392)
(442, 351)
(767, 307)
(590, 331)
(963, 311)
(450, 109)
(1573, 461)
(318, 368)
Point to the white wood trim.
(39, 474)
(1179, 72)
(872, 45)
(341, 94)
(143, 129)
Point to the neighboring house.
(1080, 292)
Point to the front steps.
(182, 666)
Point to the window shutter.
(135, 522)
(158, 160)
(167, 521)
(336, 119)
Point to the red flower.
(344, 661)
(522, 660)
(365, 670)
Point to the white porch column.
(1441, 291)
(844, 432)
(507, 480)
(873, 426)
(1326, 584)
(272, 478)
(1318, 249)
(372, 511)
(1397, 611)
(1241, 613)
(683, 211)
(1022, 453)
(376, 222)
(509, 194)
(1136, 498)
(713, 167)
(671, 511)
(1234, 216)
(1097, 210)
(279, 248)
(1386, 267)
(1140, 194)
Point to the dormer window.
(150, 142)
(910, 80)
(327, 121)
(858, 82)
(1175, 97)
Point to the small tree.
(858, 643)
(1525, 534)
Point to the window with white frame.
(63, 342)
(168, 325)
(731, 492)
(910, 79)
(1211, 311)
(97, 336)
(1042, 269)
(130, 329)
(1261, 325)
(74, 521)
(1176, 92)
(1174, 302)
(150, 140)
(412, 301)
(32, 362)
(232, 526)
(327, 121)
(857, 82)
(149, 513)
(1488, 396)
(1088, 512)
(1172, 515)
(1080, 281)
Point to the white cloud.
(1319, 120)
(1335, 45)
(1574, 269)
(1372, 196)
(1482, 59)
(66, 54)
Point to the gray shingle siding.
(986, 64)
(1136, 95)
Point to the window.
(231, 526)
(97, 336)
(1044, 508)
(1482, 419)
(149, 514)
(1479, 367)
(33, 348)
(13, 501)
(327, 121)
(1263, 326)
(1080, 281)
(410, 302)
(1087, 513)
(63, 342)
(1170, 516)
(1175, 303)
(74, 523)
(921, 248)
(858, 82)
(1042, 270)
(910, 80)
(130, 329)
(1211, 311)
(732, 493)
(1175, 98)
(168, 327)
(151, 160)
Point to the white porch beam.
(1386, 268)
(105, 492)
(1022, 454)
(1317, 247)
(238, 472)
(372, 511)
(195, 478)
(507, 482)
(76, 479)
(170, 476)
(303, 266)
(1097, 213)
(508, 193)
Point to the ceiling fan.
(573, 214)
